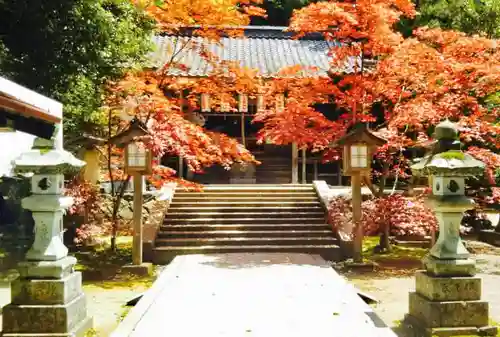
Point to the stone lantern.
(447, 300)
(47, 299)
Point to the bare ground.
(392, 292)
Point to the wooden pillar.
(181, 167)
(339, 176)
(137, 239)
(189, 174)
(315, 163)
(295, 164)
(304, 173)
(243, 138)
(356, 217)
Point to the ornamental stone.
(447, 300)
(47, 299)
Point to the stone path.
(251, 295)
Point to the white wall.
(12, 144)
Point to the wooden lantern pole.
(137, 239)
(360, 134)
(356, 217)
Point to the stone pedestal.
(47, 307)
(47, 299)
(446, 306)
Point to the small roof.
(20, 100)
(31, 113)
(450, 164)
(266, 49)
(136, 128)
(360, 133)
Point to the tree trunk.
(384, 242)
(113, 239)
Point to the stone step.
(244, 199)
(231, 241)
(305, 221)
(242, 203)
(165, 254)
(286, 232)
(246, 194)
(260, 188)
(196, 209)
(230, 214)
(247, 227)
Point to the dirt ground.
(106, 305)
(392, 292)
(106, 299)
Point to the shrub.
(85, 210)
(405, 216)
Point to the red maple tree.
(144, 95)
(416, 82)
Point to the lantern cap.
(44, 158)
(446, 157)
(135, 129)
(360, 133)
(446, 130)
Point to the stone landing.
(251, 294)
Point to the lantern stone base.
(47, 307)
(47, 269)
(448, 306)
(415, 328)
(455, 267)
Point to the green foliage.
(68, 49)
(452, 155)
(469, 16)
(279, 12)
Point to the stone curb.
(127, 326)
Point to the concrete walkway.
(251, 295)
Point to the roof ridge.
(266, 32)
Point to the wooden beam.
(27, 110)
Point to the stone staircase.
(245, 218)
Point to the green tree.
(68, 49)
(279, 12)
(469, 16)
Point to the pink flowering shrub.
(86, 198)
(405, 216)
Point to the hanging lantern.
(260, 103)
(243, 103)
(358, 147)
(280, 103)
(205, 103)
(224, 106)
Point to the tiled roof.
(266, 49)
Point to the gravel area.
(392, 292)
(106, 306)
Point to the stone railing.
(157, 210)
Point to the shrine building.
(269, 50)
